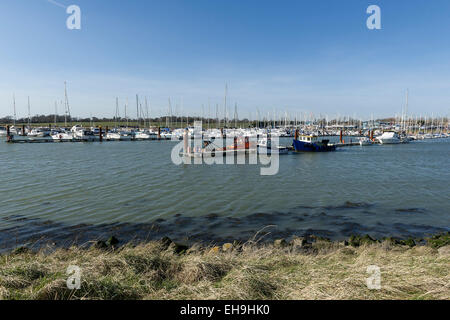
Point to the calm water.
(82, 191)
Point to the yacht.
(39, 132)
(142, 135)
(3, 131)
(112, 135)
(83, 134)
(389, 137)
(60, 136)
(13, 130)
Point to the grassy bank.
(299, 270)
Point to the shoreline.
(337, 225)
(300, 269)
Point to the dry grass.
(149, 271)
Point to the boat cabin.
(313, 139)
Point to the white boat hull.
(62, 137)
(389, 141)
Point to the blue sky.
(295, 56)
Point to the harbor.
(348, 134)
(132, 157)
(213, 157)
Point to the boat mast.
(117, 112)
(235, 115)
(29, 114)
(126, 117)
(169, 113)
(146, 112)
(217, 116)
(66, 105)
(209, 112)
(137, 110)
(142, 114)
(56, 111)
(406, 111)
(14, 104)
(225, 106)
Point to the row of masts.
(66, 108)
(404, 121)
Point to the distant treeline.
(172, 120)
(61, 119)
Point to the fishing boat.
(389, 137)
(312, 144)
(264, 146)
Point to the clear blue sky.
(295, 56)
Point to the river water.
(64, 193)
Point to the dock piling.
(185, 142)
(8, 134)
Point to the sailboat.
(64, 135)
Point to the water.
(75, 192)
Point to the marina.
(387, 133)
(213, 157)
